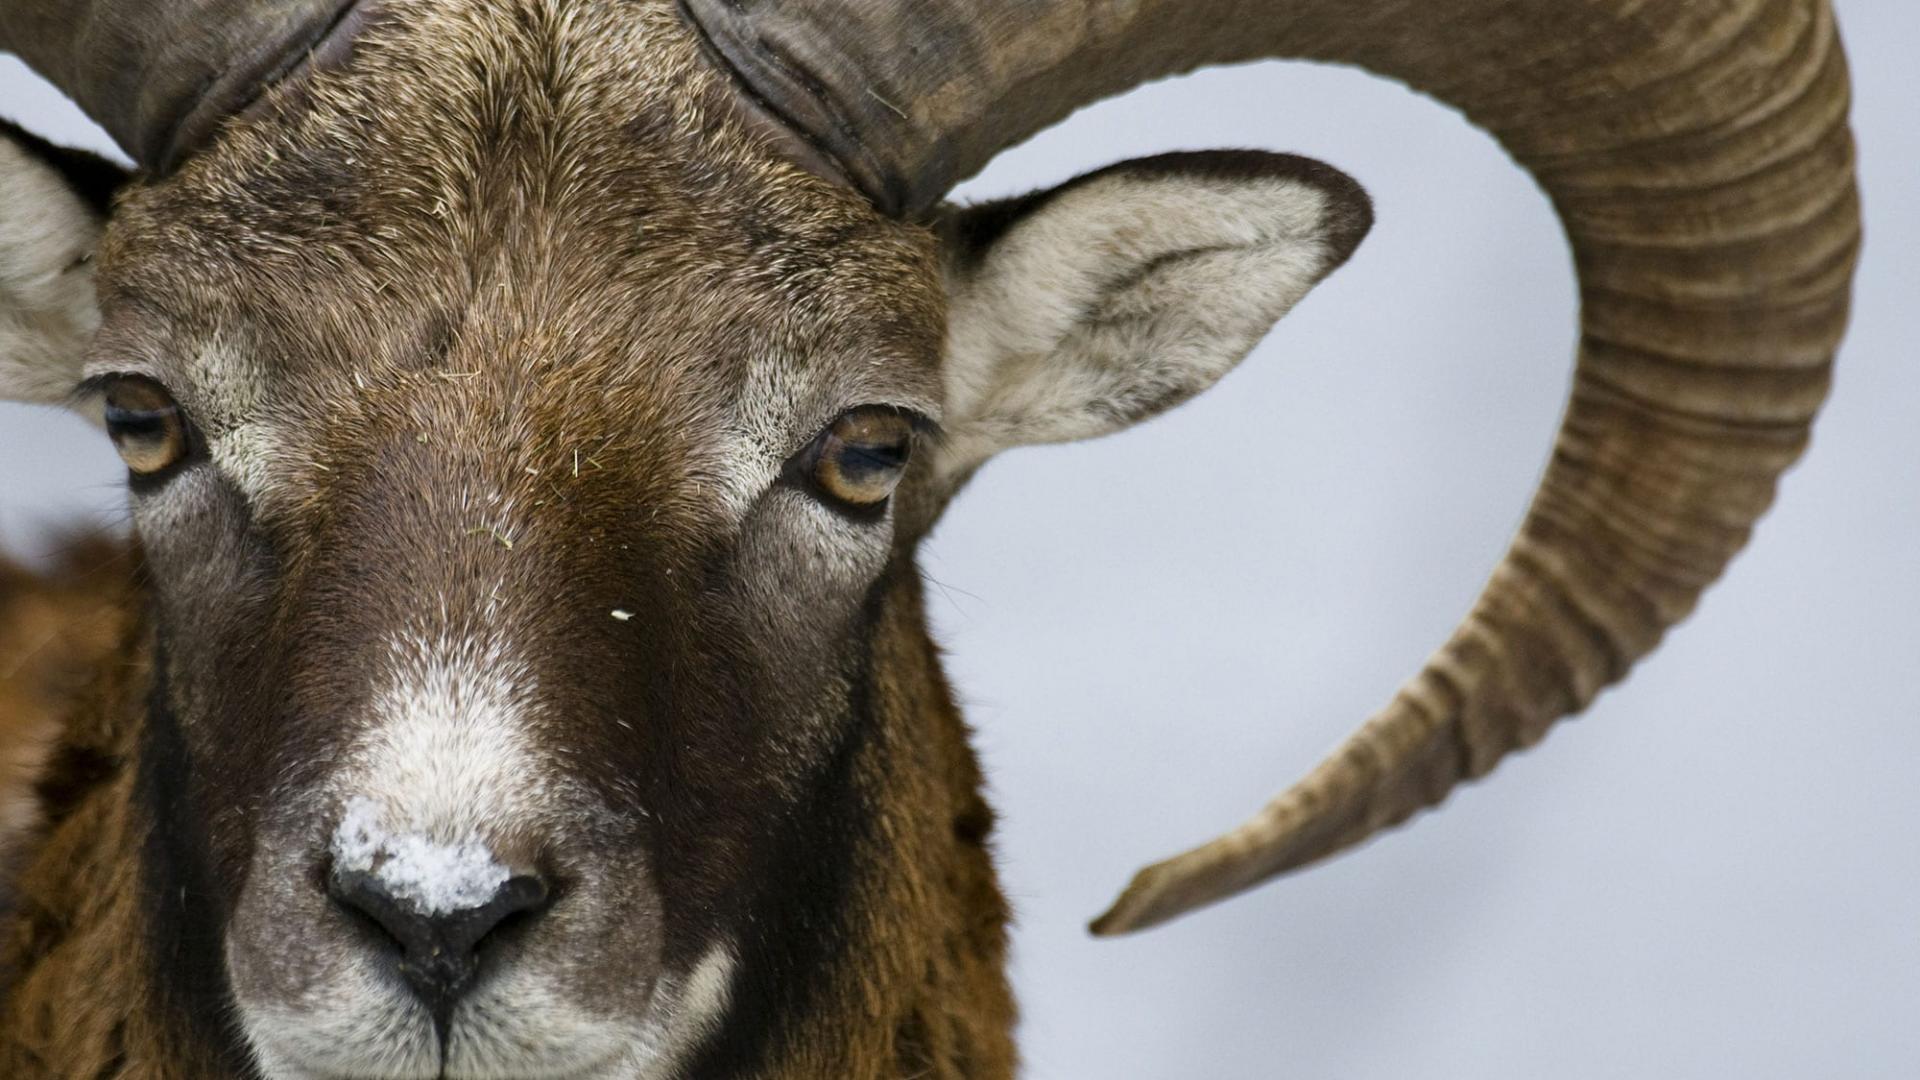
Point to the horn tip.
(1292, 831)
(1147, 901)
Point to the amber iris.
(146, 424)
(860, 459)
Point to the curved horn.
(160, 74)
(1699, 157)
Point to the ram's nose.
(440, 938)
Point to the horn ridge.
(1700, 161)
(159, 77)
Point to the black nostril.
(439, 950)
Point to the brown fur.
(501, 345)
(520, 230)
(935, 1003)
(81, 1003)
(57, 631)
(494, 238)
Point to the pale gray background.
(1715, 873)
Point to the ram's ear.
(53, 205)
(1082, 310)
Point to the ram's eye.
(860, 458)
(146, 424)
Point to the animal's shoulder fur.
(57, 629)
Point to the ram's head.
(533, 408)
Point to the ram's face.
(513, 451)
(528, 456)
(531, 420)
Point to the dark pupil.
(139, 425)
(862, 462)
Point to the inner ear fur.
(54, 204)
(1083, 309)
(970, 230)
(92, 178)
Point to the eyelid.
(924, 426)
(94, 387)
(91, 390)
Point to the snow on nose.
(436, 878)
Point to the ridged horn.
(1698, 154)
(159, 75)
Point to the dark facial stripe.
(183, 910)
(797, 936)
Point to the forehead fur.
(534, 224)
